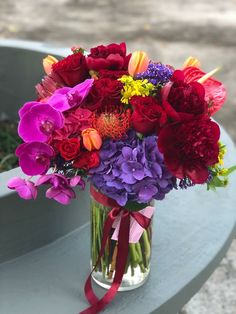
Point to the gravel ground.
(168, 31)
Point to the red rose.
(72, 69)
(87, 160)
(148, 116)
(187, 99)
(189, 148)
(111, 57)
(215, 93)
(104, 94)
(69, 148)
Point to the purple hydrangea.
(132, 169)
(156, 73)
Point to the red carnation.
(148, 116)
(111, 57)
(72, 69)
(189, 148)
(186, 99)
(69, 148)
(87, 160)
(104, 95)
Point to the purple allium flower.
(25, 188)
(66, 98)
(156, 73)
(132, 169)
(38, 121)
(61, 187)
(34, 158)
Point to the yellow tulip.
(138, 63)
(91, 139)
(48, 62)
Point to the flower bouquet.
(135, 129)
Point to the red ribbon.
(98, 305)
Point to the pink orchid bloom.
(25, 188)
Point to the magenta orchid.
(61, 187)
(66, 98)
(25, 188)
(34, 158)
(38, 121)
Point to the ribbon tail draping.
(142, 220)
(122, 250)
(89, 293)
(122, 255)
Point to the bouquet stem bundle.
(138, 263)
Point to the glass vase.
(138, 262)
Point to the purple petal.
(77, 180)
(15, 182)
(27, 106)
(26, 189)
(127, 153)
(128, 178)
(30, 127)
(66, 98)
(62, 196)
(138, 174)
(34, 158)
(147, 192)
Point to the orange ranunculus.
(91, 139)
(138, 63)
(48, 62)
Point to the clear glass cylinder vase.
(138, 262)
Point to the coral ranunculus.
(215, 92)
(190, 148)
(72, 69)
(148, 116)
(111, 57)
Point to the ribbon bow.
(122, 250)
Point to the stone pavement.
(169, 31)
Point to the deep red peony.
(215, 92)
(148, 116)
(87, 160)
(104, 95)
(69, 148)
(72, 69)
(111, 57)
(186, 99)
(190, 147)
